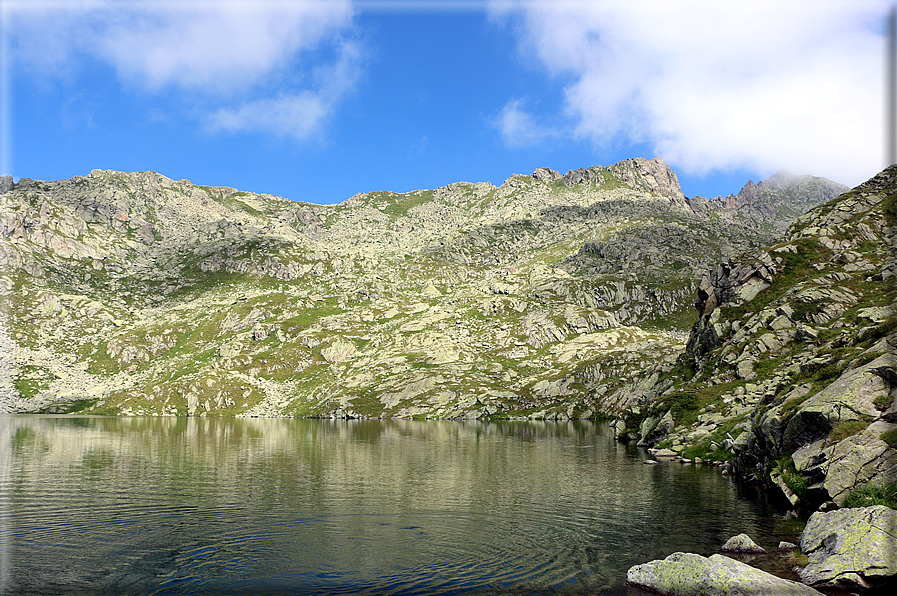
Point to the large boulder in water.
(853, 548)
(688, 574)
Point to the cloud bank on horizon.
(707, 85)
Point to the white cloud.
(715, 85)
(298, 115)
(210, 45)
(292, 55)
(518, 127)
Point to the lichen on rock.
(850, 548)
(689, 574)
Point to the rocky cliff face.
(771, 204)
(546, 297)
(789, 373)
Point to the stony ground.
(549, 296)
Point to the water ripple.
(303, 508)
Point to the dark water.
(249, 506)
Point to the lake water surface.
(268, 506)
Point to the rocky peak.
(653, 175)
(546, 174)
(771, 203)
(581, 176)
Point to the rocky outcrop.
(654, 429)
(655, 175)
(730, 284)
(835, 469)
(854, 395)
(546, 175)
(6, 184)
(771, 202)
(688, 574)
(790, 374)
(851, 548)
(789, 378)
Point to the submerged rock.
(853, 548)
(689, 574)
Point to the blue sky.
(319, 100)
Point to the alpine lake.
(155, 505)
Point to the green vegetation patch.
(847, 428)
(398, 205)
(28, 388)
(890, 437)
(77, 406)
(883, 329)
(32, 381)
(793, 479)
(682, 319)
(684, 406)
(869, 496)
(796, 559)
(233, 200)
(683, 370)
(804, 309)
(706, 451)
(100, 362)
(634, 420)
(709, 448)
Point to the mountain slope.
(546, 297)
(789, 372)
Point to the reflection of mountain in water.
(136, 504)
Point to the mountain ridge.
(757, 333)
(542, 297)
(760, 205)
